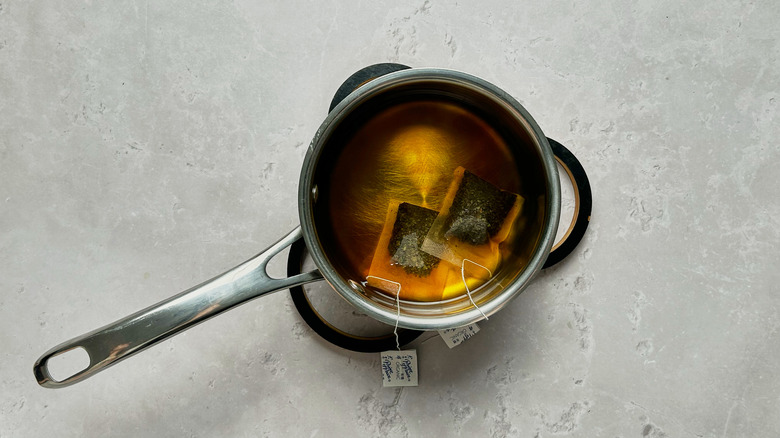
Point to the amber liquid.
(407, 153)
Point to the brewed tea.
(406, 151)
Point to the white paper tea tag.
(399, 368)
(455, 336)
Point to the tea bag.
(399, 266)
(475, 218)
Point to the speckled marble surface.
(145, 147)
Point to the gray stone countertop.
(147, 146)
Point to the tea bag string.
(465, 283)
(397, 306)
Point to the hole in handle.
(68, 363)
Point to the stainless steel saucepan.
(119, 340)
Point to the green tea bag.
(399, 265)
(475, 218)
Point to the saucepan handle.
(583, 203)
(109, 345)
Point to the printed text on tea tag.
(399, 368)
(455, 336)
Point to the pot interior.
(402, 142)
